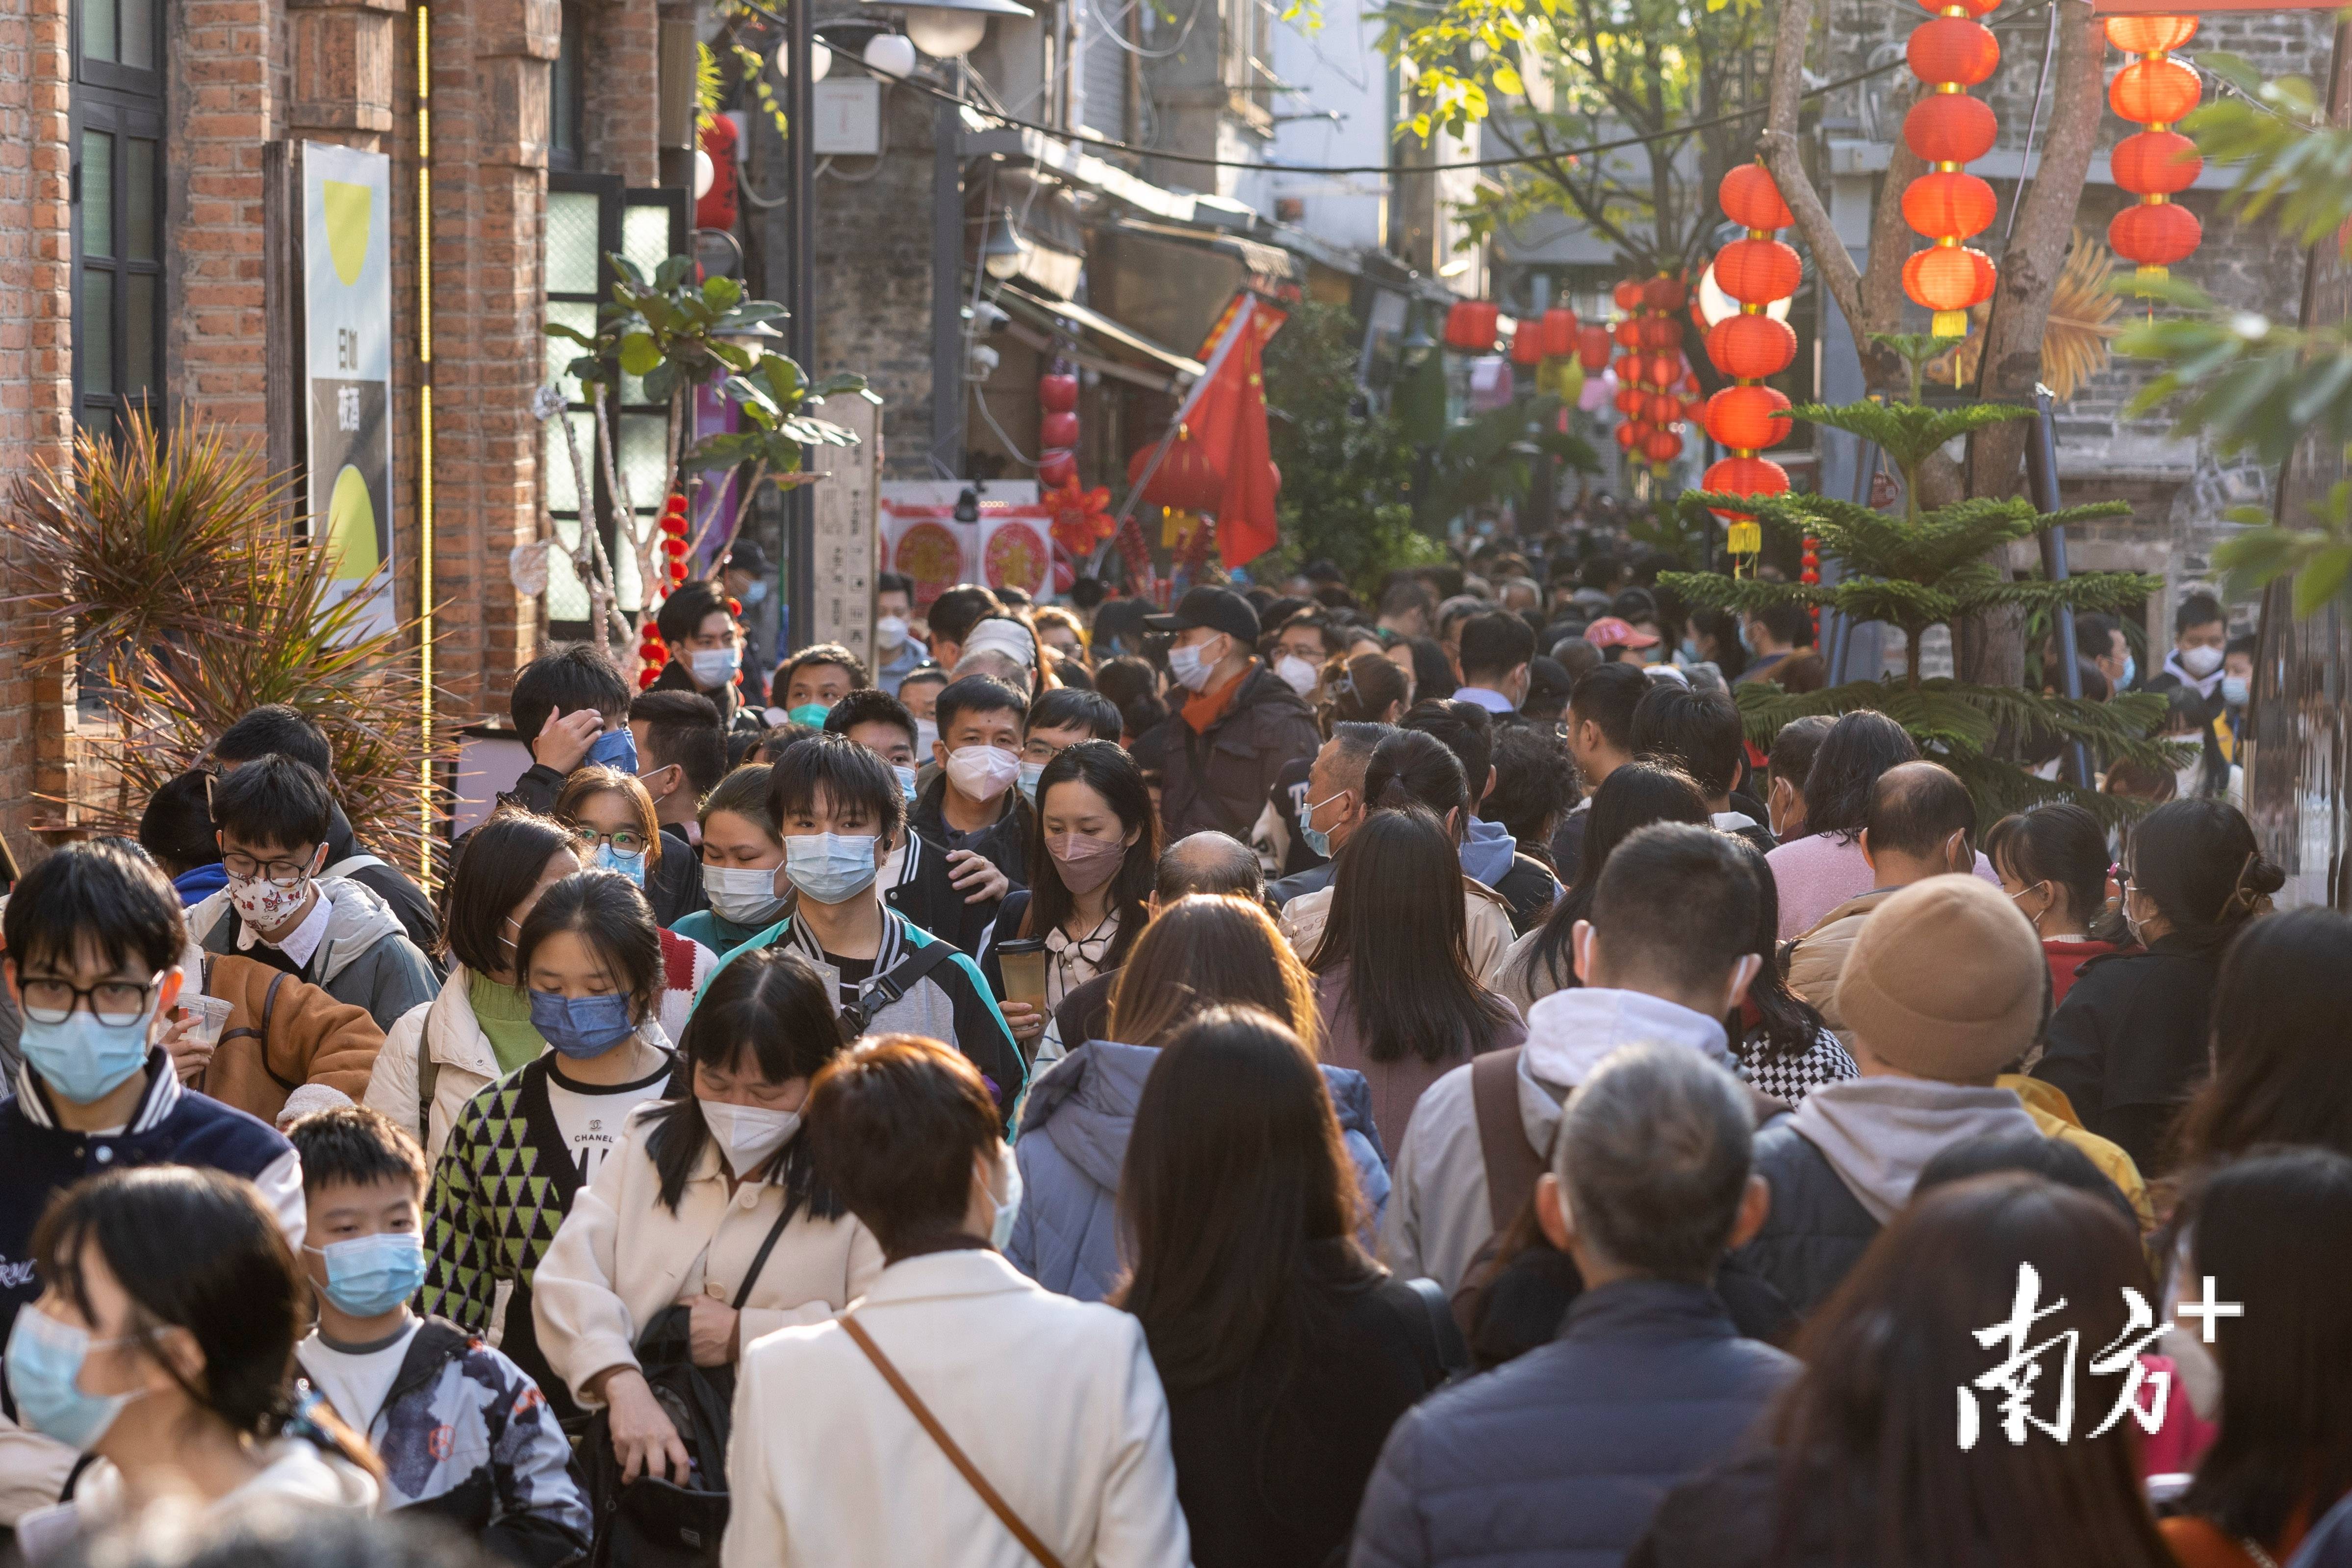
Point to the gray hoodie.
(365, 958)
(1877, 1133)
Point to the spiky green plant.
(1930, 566)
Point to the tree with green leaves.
(1929, 566)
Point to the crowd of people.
(1280, 1081)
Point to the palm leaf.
(2082, 324)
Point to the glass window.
(98, 31)
(97, 193)
(138, 199)
(116, 116)
(137, 33)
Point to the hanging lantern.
(1628, 333)
(1749, 348)
(1593, 346)
(1757, 271)
(1559, 332)
(1747, 417)
(1951, 53)
(1628, 433)
(1662, 447)
(1526, 343)
(1630, 400)
(2156, 90)
(1057, 392)
(1470, 326)
(1628, 294)
(1751, 200)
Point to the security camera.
(990, 317)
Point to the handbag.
(956, 1456)
(650, 1522)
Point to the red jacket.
(2065, 958)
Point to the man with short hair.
(953, 615)
(1219, 754)
(2200, 633)
(1700, 732)
(1563, 1454)
(1453, 614)
(1665, 957)
(276, 907)
(1921, 824)
(810, 681)
(283, 730)
(569, 706)
(1406, 605)
(970, 809)
(1490, 856)
(1496, 650)
(896, 650)
(1057, 721)
(1944, 988)
(1601, 740)
(1773, 633)
(705, 654)
(915, 878)
(1334, 807)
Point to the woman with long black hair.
(1632, 797)
(1784, 1048)
(1286, 1353)
(2282, 1058)
(2132, 1039)
(710, 1203)
(1090, 871)
(1398, 1000)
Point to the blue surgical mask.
(2233, 691)
(631, 866)
(2131, 671)
(809, 713)
(831, 868)
(1317, 839)
(616, 749)
(368, 1276)
(580, 1026)
(755, 591)
(1008, 1207)
(1027, 780)
(83, 1059)
(1690, 650)
(45, 1359)
(906, 783)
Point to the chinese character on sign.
(2017, 1377)
(347, 408)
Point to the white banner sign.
(347, 306)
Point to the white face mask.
(926, 737)
(983, 772)
(744, 895)
(2202, 662)
(1192, 665)
(713, 667)
(1297, 673)
(890, 632)
(746, 1134)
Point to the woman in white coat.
(683, 1210)
(1049, 1404)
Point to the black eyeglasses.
(246, 869)
(116, 1004)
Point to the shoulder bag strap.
(1453, 1350)
(964, 1467)
(759, 1258)
(1512, 1167)
(883, 990)
(269, 1009)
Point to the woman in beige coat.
(712, 1200)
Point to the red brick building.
(135, 212)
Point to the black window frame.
(126, 103)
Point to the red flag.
(1224, 415)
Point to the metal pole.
(947, 292)
(799, 501)
(2041, 474)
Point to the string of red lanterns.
(1748, 416)
(1652, 375)
(1947, 128)
(2156, 91)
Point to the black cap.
(745, 555)
(1219, 609)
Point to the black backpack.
(654, 1523)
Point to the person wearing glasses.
(94, 941)
(614, 829)
(273, 815)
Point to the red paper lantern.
(1593, 346)
(1559, 332)
(1662, 446)
(1662, 408)
(1751, 347)
(1628, 334)
(1938, 205)
(1948, 278)
(1630, 400)
(1973, 7)
(1526, 343)
(2155, 92)
(1470, 325)
(1747, 419)
(1950, 128)
(1951, 49)
(1752, 200)
(1055, 469)
(2155, 235)
(1745, 476)
(1628, 433)
(1663, 293)
(2150, 35)
(2154, 162)
(1058, 429)
(1663, 370)
(1187, 479)
(1629, 368)
(1628, 294)
(1757, 271)
(1659, 332)
(1693, 409)
(1057, 393)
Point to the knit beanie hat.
(1945, 981)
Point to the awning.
(1269, 262)
(1021, 303)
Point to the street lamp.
(949, 30)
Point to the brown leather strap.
(921, 1413)
(1512, 1167)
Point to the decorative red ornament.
(1058, 429)
(2154, 162)
(1470, 325)
(1628, 294)
(1526, 343)
(1630, 400)
(1055, 469)
(1745, 476)
(1663, 370)
(673, 524)
(1695, 409)
(1951, 49)
(1628, 334)
(1082, 519)
(1947, 279)
(1629, 432)
(2154, 236)
(1752, 200)
(1559, 332)
(1187, 478)
(1057, 393)
(1950, 128)
(1940, 204)
(1747, 419)
(674, 548)
(1661, 331)
(1751, 347)
(1757, 271)
(1973, 7)
(1662, 447)
(2150, 35)
(1663, 293)
(1593, 344)
(2156, 91)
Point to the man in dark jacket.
(1490, 856)
(1562, 1456)
(1219, 754)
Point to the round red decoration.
(1627, 434)
(1628, 294)
(1662, 446)
(2155, 92)
(1950, 128)
(1058, 429)
(1751, 200)
(1948, 278)
(2158, 163)
(2154, 236)
(1936, 204)
(2150, 35)
(1744, 477)
(1055, 469)
(1663, 293)
(1757, 271)
(1628, 334)
(1751, 347)
(1973, 7)
(1747, 418)
(1593, 348)
(1559, 332)
(1950, 49)
(1526, 343)
(1057, 393)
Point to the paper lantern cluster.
(2158, 163)
(652, 653)
(1654, 386)
(1548, 346)
(1951, 53)
(1057, 427)
(1747, 417)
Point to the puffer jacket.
(1074, 1132)
(1560, 1459)
(1216, 780)
(288, 1047)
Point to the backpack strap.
(428, 1077)
(269, 1006)
(1512, 1166)
(351, 863)
(884, 989)
(1453, 1350)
